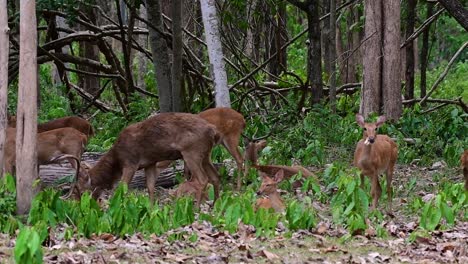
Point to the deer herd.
(156, 142)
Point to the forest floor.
(323, 244)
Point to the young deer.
(192, 188)
(269, 189)
(251, 157)
(375, 154)
(166, 136)
(464, 165)
(50, 144)
(75, 122)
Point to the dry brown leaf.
(267, 254)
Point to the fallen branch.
(457, 101)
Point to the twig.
(444, 73)
(421, 28)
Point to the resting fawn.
(269, 189)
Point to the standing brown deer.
(269, 189)
(50, 144)
(166, 136)
(375, 154)
(464, 165)
(75, 122)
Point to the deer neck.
(106, 171)
(276, 200)
(366, 151)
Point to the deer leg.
(376, 191)
(195, 166)
(232, 145)
(127, 174)
(212, 175)
(151, 174)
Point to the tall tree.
(425, 50)
(215, 53)
(4, 50)
(409, 71)
(26, 122)
(314, 58)
(160, 52)
(177, 50)
(332, 43)
(381, 61)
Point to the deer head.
(370, 129)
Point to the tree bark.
(89, 50)
(4, 48)
(425, 51)
(215, 53)
(315, 53)
(26, 126)
(457, 10)
(279, 64)
(177, 50)
(160, 52)
(372, 57)
(409, 54)
(391, 84)
(332, 45)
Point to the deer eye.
(365, 129)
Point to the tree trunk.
(372, 57)
(160, 52)
(314, 59)
(326, 40)
(332, 45)
(391, 84)
(456, 9)
(425, 51)
(26, 126)
(89, 50)
(140, 57)
(4, 48)
(177, 50)
(249, 38)
(409, 71)
(215, 53)
(279, 63)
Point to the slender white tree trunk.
(26, 126)
(4, 50)
(215, 53)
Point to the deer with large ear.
(374, 154)
(166, 136)
(269, 189)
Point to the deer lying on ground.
(75, 122)
(166, 136)
(192, 188)
(50, 144)
(464, 165)
(375, 154)
(251, 156)
(269, 189)
(230, 125)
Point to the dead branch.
(457, 101)
(421, 28)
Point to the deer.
(75, 122)
(374, 154)
(163, 137)
(192, 188)
(269, 189)
(251, 156)
(230, 125)
(50, 144)
(464, 165)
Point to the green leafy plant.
(28, 247)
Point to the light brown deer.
(166, 136)
(269, 189)
(50, 144)
(375, 154)
(192, 188)
(251, 156)
(75, 122)
(464, 165)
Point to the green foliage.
(28, 247)
(300, 215)
(8, 223)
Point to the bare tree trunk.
(160, 52)
(215, 53)
(250, 46)
(372, 57)
(89, 50)
(425, 51)
(391, 84)
(140, 57)
(26, 126)
(279, 37)
(4, 51)
(177, 50)
(332, 58)
(409, 69)
(456, 9)
(326, 39)
(314, 58)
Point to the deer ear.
(380, 121)
(279, 176)
(360, 120)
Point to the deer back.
(75, 122)
(59, 141)
(226, 120)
